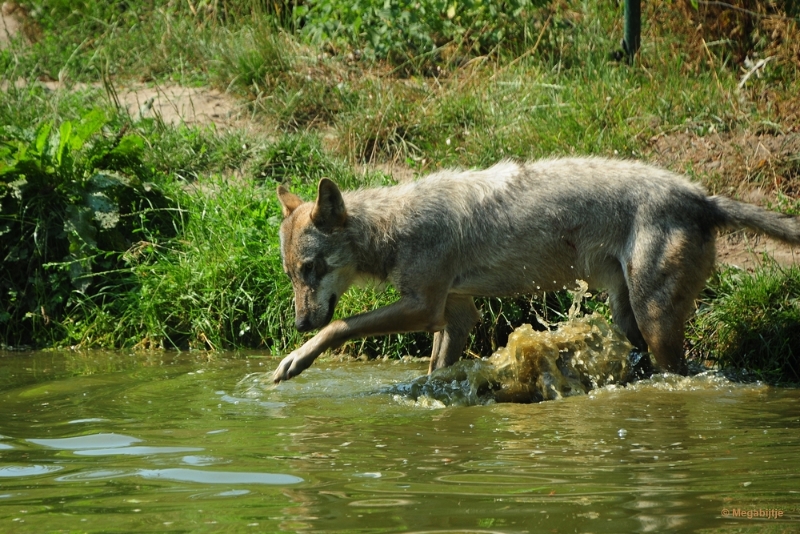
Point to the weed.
(415, 34)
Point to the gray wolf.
(644, 234)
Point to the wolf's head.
(316, 253)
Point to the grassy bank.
(121, 229)
(749, 323)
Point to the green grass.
(337, 91)
(749, 323)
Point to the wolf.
(644, 234)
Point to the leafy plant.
(72, 200)
(407, 30)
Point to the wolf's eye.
(315, 269)
(320, 267)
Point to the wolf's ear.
(289, 201)
(329, 212)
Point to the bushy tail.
(742, 215)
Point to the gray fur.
(643, 233)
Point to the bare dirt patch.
(748, 166)
(172, 103)
(747, 251)
(400, 172)
(197, 106)
(10, 24)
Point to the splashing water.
(580, 354)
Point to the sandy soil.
(746, 250)
(10, 25)
(189, 105)
(730, 160)
(172, 103)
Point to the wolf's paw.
(291, 366)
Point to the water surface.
(188, 442)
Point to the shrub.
(72, 200)
(404, 30)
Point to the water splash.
(574, 357)
(579, 355)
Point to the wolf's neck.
(372, 233)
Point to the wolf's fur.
(643, 233)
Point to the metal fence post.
(633, 28)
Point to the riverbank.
(141, 148)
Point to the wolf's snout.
(303, 324)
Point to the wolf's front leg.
(448, 345)
(294, 364)
(405, 315)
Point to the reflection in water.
(136, 451)
(232, 493)
(89, 420)
(21, 471)
(217, 477)
(99, 474)
(178, 474)
(201, 461)
(91, 441)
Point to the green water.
(165, 442)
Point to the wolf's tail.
(737, 214)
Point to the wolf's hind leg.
(609, 274)
(665, 277)
(461, 315)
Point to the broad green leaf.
(102, 180)
(64, 134)
(82, 245)
(89, 125)
(78, 225)
(42, 136)
(129, 146)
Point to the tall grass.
(546, 86)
